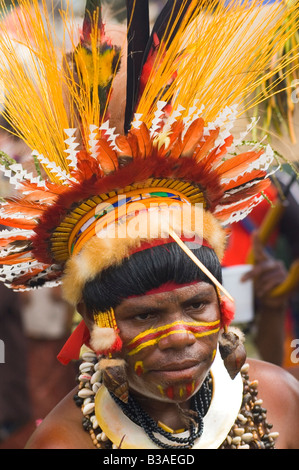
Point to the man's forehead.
(179, 293)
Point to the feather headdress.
(184, 84)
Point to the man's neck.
(172, 414)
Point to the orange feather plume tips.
(161, 160)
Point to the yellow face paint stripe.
(170, 325)
(156, 340)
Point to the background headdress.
(185, 83)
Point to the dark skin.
(193, 303)
(63, 428)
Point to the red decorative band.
(164, 241)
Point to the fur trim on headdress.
(99, 254)
(103, 339)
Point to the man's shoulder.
(279, 391)
(267, 374)
(61, 429)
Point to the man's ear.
(81, 308)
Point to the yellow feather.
(224, 53)
(32, 81)
(40, 90)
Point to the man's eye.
(143, 316)
(196, 305)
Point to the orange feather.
(246, 192)
(174, 146)
(24, 206)
(19, 223)
(37, 193)
(15, 259)
(106, 157)
(238, 164)
(255, 174)
(133, 142)
(20, 281)
(192, 137)
(226, 212)
(124, 147)
(217, 153)
(205, 146)
(145, 144)
(6, 241)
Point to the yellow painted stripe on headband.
(112, 200)
(116, 214)
(170, 325)
(156, 340)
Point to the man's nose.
(176, 340)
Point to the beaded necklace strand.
(199, 404)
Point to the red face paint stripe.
(170, 392)
(189, 389)
(151, 336)
(154, 335)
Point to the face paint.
(139, 368)
(214, 354)
(182, 391)
(152, 336)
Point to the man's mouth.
(177, 366)
(177, 371)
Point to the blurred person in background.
(272, 255)
(15, 403)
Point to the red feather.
(87, 167)
(148, 66)
(227, 309)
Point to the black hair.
(147, 270)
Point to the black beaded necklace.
(200, 403)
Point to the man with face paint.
(164, 383)
(131, 219)
(176, 320)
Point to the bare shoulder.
(279, 391)
(61, 429)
